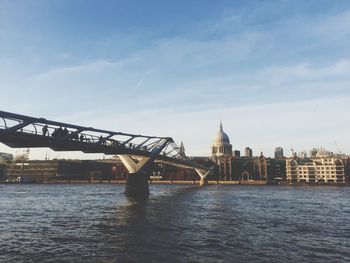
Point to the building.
(248, 152)
(182, 150)
(322, 152)
(221, 144)
(260, 167)
(2, 173)
(279, 152)
(6, 157)
(276, 170)
(346, 162)
(313, 153)
(246, 168)
(222, 154)
(318, 170)
(50, 170)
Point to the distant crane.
(338, 149)
(292, 150)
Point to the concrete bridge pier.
(203, 175)
(203, 181)
(137, 185)
(137, 181)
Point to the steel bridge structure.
(137, 152)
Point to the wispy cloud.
(95, 66)
(140, 82)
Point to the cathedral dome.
(221, 137)
(221, 144)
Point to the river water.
(97, 223)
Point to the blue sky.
(277, 73)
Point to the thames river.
(97, 223)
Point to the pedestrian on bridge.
(65, 132)
(102, 140)
(45, 129)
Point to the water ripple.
(97, 223)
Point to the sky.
(276, 73)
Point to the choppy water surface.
(97, 223)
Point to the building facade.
(319, 170)
(222, 154)
(182, 150)
(233, 167)
(6, 157)
(40, 171)
(279, 152)
(248, 152)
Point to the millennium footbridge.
(138, 153)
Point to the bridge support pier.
(137, 181)
(203, 175)
(203, 181)
(137, 185)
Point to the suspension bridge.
(138, 153)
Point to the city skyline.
(276, 73)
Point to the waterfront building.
(6, 157)
(248, 152)
(52, 170)
(346, 162)
(242, 169)
(246, 168)
(259, 168)
(2, 173)
(324, 169)
(260, 165)
(276, 169)
(279, 152)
